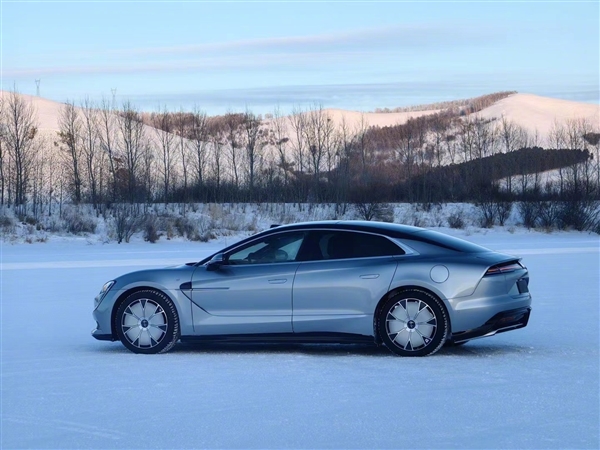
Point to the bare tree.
(91, 154)
(20, 137)
(579, 175)
(440, 128)
(41, 179)
(254, 143)
(3, 164)
(557, 140)
(466, 138)
(70, 138)
(148, 171)
(404, 145)
(216, 134)
(593, 140)
(163, 127)
(131, 133)
(298, 123)
(345, 141)
(232, 123)
(451, 146)
(511, 138)
(484, 138)
(183, 146)
(363, 147)
(280, 140)
(318, 135)
(199, 138)
(107, 125)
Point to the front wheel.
(413, 323)
(147, 322)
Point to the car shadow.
(326, 350)
(485, 349)
(470, 350)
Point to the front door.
(251, 292)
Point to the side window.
(347, 244)
(366, 245)
(276, 248)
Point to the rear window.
(450, 242)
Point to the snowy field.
(532, 388)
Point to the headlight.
(103, 292)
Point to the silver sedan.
(411, 289)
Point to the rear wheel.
(413, 323)
(147, 322)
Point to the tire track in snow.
(550, 251)
(66, 425)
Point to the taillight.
(504, 268)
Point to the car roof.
(385, 228)
(392, 230)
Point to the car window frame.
(341, 230)
(250, 243)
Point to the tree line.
(104, 155)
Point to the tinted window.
(451, 242)
(282, 247)
(346, 244)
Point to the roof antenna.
(37, 87)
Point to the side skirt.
(300, 338)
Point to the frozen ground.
(531, 388)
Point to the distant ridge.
(468, 105)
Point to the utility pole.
(114, 94)
(37, 87)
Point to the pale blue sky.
(354, 55)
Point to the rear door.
(338, 287)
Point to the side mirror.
(216, 261)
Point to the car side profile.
(411, 289)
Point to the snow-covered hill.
(530, 111)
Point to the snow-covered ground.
(532, 388)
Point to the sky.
(229, 56)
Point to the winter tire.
(147, 322)
(413, 323)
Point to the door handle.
(370, 276)
(277, 280)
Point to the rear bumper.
(500, 323)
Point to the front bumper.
(102, 337)
(500, 323)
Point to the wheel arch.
(406, 288)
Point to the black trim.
(500, 323)
(300, 338)
(103, 337)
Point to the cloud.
(213, 63)
(414, 36)
(294, 52)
